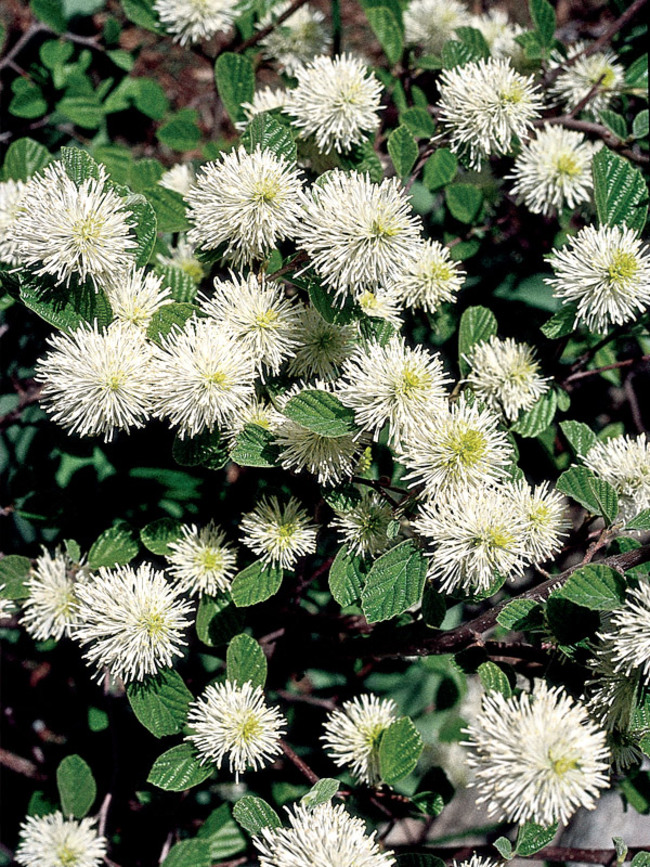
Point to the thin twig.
(302, 766)
(261, 34)
(582, 374)
(31, 31)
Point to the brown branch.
(302, 766)
(20, 765)
(548, 853)
(582, 374)
(31, 31)
(257, 37)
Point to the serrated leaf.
(205, 449)
(321, 412)
(222, 834)
(235, 79)
(543, 17)
(254, 813)
(400, 748)
(494, 679)
(256, 583)
(180, 131)
(620, 192)
(594, 586)
(464, 201)
(324, 303)
(24, 158)
(403, 150)
(271, 135)
(217, 620)
(14, 574)
(533, 837)
(255, 447)
(386, 28)
(167, 318)
(76, 785)
(561, 323)
(614, 122)
(79, 165)
(169, 208)
(640, 125)
(580, 436)
(517, 615)
(160, 702)
(84, 110)
(145, 174)
(640, 522)
(503, 847)
(178, 769)
(67, 308)
(394, 583)
(157, 535)
(636, 75)
(538, 417)
(245, 661)
(183, 286)
(345, 579)
(596, 495)
(418, 121)
(189, 853)
(474, 40)
(320, 793)
(455, 53)
(641, 859)
(116, 546)
(440, 169)
(477, 324)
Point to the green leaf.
(456, 53)
(464, 201)
(50, 12)
(169, 208)
(324, 303)
(636, 75)
(222, 834)
(570, 623)
(169, 317)
(533, 837)
(321, 412)
(25, 158)
(79, 165)
(256, 583)
(596, 587)
(641, 859)
(67, 308)
(596, 495)
(474, 40)
(440, 169)
(387, 29)
(614, 122)
(84, 110)
(403, 150)
(271, 135)
(145, 227)
(580, 436)
(620, 192)
(538, 417)
(477, 324)
(14, 574)
(157, 535)
(28, 100)
(394, 583)
(399, 750)
(189, 853)
(182, 284)
(178, 769)
(254, 813)
(76, 785)
(255, 447)
(141, 13)
(518, 615)
(217, 620)
(181, 131)
(149, 97)
(160, 702)
(543, 17)
(320, 793)
(640, 522)
(640, 124)
(245, 661)
(504, 848)
(494, 679)
(235, 79)
(205, 449)
(116, 546)
(345, 577)
(418, 121)
(145, 174)
(561, 323)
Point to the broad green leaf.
(79, 165)
(430, 803)
(386, 28)
(222, 834)
(67, 308)
(118, 161)
(345, 577)
(641, 859)
(538, 417)
(418, 121)
(504, 848)
(144, 226)
(543, 16)
(614, 122)
(400, 748)
(324, 302)
(271, 135)
(594, 586)
(14, 574)
(620, 192)
(168, 318)
(235, 79)
(24, 158)
(160, 702)
(245, 661)
(141, 13)
(440, 169)
(116, 546)
(519, 615)
(403, 150)
(640, 521)
(580, 436)
(178, 769)
(50, 12)
(28, 100)
(183, 285)
(170, 209)
(157, 535)
(321, 412)
(394, 583)
(455, 53)
(256, 583)
(181, 131)
(76, 785)
(320, 793)
(596, 495)
(464, 201)
(150, 98)
(205, 449)
(72, 549)
(474, 40)
(254, 813)
(255, 447)
(84, 110)
(145, 174)
(217, 620)
(494, 679)
(533, 837)
(189, 853)
(477, 324)
(640, 125)
(636, 75)
(561, 323)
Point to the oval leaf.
(256, 583)
(345, 577)
(394, 583)
(245, 661)
(116, 546)
(596, 495)
(254, 813)
(178, 769)
(76, 785)
(399, 750)
(321, 412)
(596, 587)
(160, 703)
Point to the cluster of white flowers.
(428, 24)
(190, 21)
(352, 735)
(363, 527)
(54, 841)
(624, 462)
(596, 76)
(296, 40)
(202, 561)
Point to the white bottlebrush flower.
(576, 81)
(364, 526)
(352, 735)
(265, 99)
(97, 382)
(279, 533)
(297, 39)
(65, 230)
(537, 757)
(201, 561)
(553, 170)
(133, 621)
(500, 34)
(478, 535)
(256, 313)
(249, 202)
(201, 377)
(136, 296)
(53, 841)
(11, 194)
(485, 107)
(393, 384)
(180, 178)
(505, 375)
(233, 721)
(190, 21)
(183, 256)
(382, 304)
(624, 462)
(454, 448)
(321, 346)
(428, 24)
(50, 610)
(330, 459)
(544, 516)
(326, 836)
(606, 272)
(430, 278)
(336, 101)
(358, 235)
(628, 633)
(259, 412)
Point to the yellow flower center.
(623, 267)
(563, 764)
(267, 320)
(154, 624)
(216, 377)
(266, 191)
(467, 448)
(114, 381)
(410, 382)
(567, 165)
(250, 728)
(210, 560)
(605, 76)
(67, 856)
(87, 231)
(512, 94)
